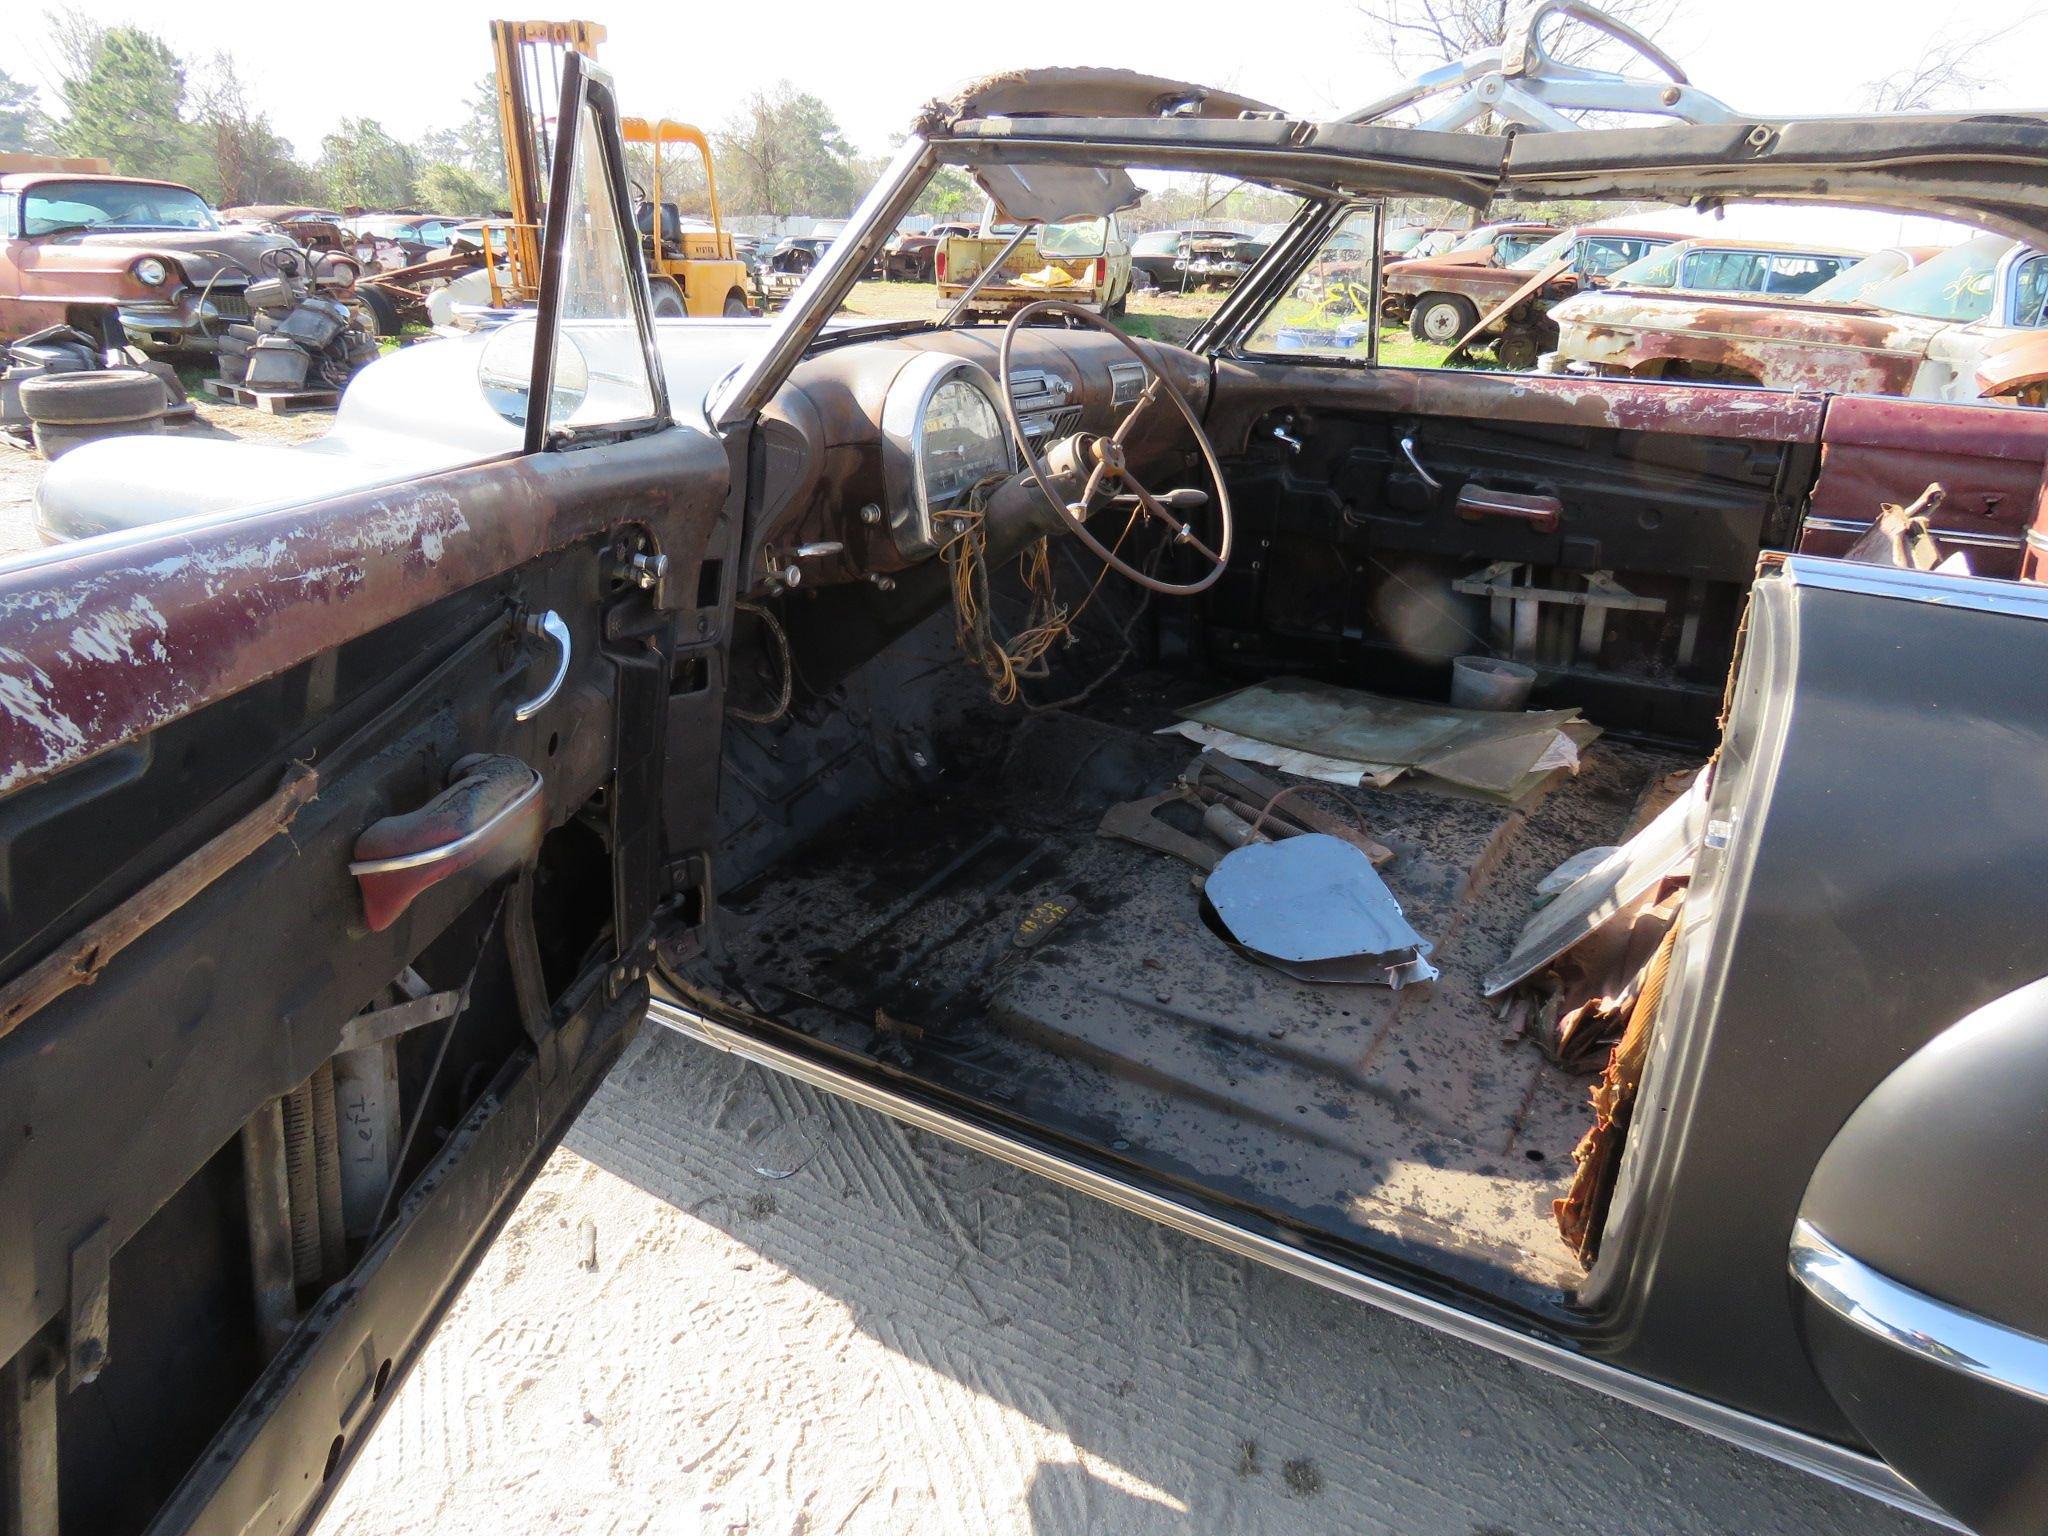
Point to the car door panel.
(1669, 490)
(330, 845)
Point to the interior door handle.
(490, 812)
(548, 626)
(1543, 514)
(1415, 463)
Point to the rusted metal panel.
(1244, 392)
(105, 641)
(1777, 344)
(1988, 459)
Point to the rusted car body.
(1489, 245)
(1861, 345)
(159, 262)
(908, 257)
(616, 673)
(1441, 299)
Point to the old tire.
(54, 441)
(1441, 318)
(736, 306)
(668, 299)
(373, 302)
(93, 399)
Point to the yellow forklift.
(693, 271)
(529, 57)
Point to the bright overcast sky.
(410, 66)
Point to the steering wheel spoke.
(1173, 509)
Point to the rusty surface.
(1505, 305)
(1822, 347)
(105, 641)
(1988, 459)
(1244, 393)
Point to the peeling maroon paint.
(1989, 459)
(105, 641)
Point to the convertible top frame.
(1988, 170)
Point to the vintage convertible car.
(356, 816)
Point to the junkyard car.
(1002, 266)
(1736, 266)
(1489, 245)
(1442, 298)
(765, 679)
(908, 257)
(1216, 260)
(1926, 331)
(1156, 254)
(81, 248)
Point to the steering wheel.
(1110, 464)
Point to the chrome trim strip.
(1984, 594)
(462, 844)
(1833, 1463)
(1917, 1323)
(1967, 536)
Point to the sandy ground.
(733, 1305)
(21, 471)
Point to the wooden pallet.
(274, 402)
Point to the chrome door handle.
(548, 626)
(1415, 463)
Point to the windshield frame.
(36, 190)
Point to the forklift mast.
(529, 57)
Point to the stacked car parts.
(301, 336)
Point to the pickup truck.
(1085, 262)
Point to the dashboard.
(871, 443)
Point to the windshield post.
(873, 222)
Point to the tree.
(246, 161)
(783, 153)
(951, 194)
(447, 188)
(1946, 71)
(1423, 34)
(474, 145)
(23, 126)
(364, 167)
(126, 103)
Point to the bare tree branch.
(1949, 71)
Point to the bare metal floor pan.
(1408, 1123)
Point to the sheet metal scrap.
(1314, 907)
(1582, 1212)
(1623, 880)
(1348, 736)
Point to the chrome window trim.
(1982, 594)
(1915, 1322)
(1974, 538)
(1821, 1458)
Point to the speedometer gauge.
(943, 434)
(963, 443)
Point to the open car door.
(329, 851)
